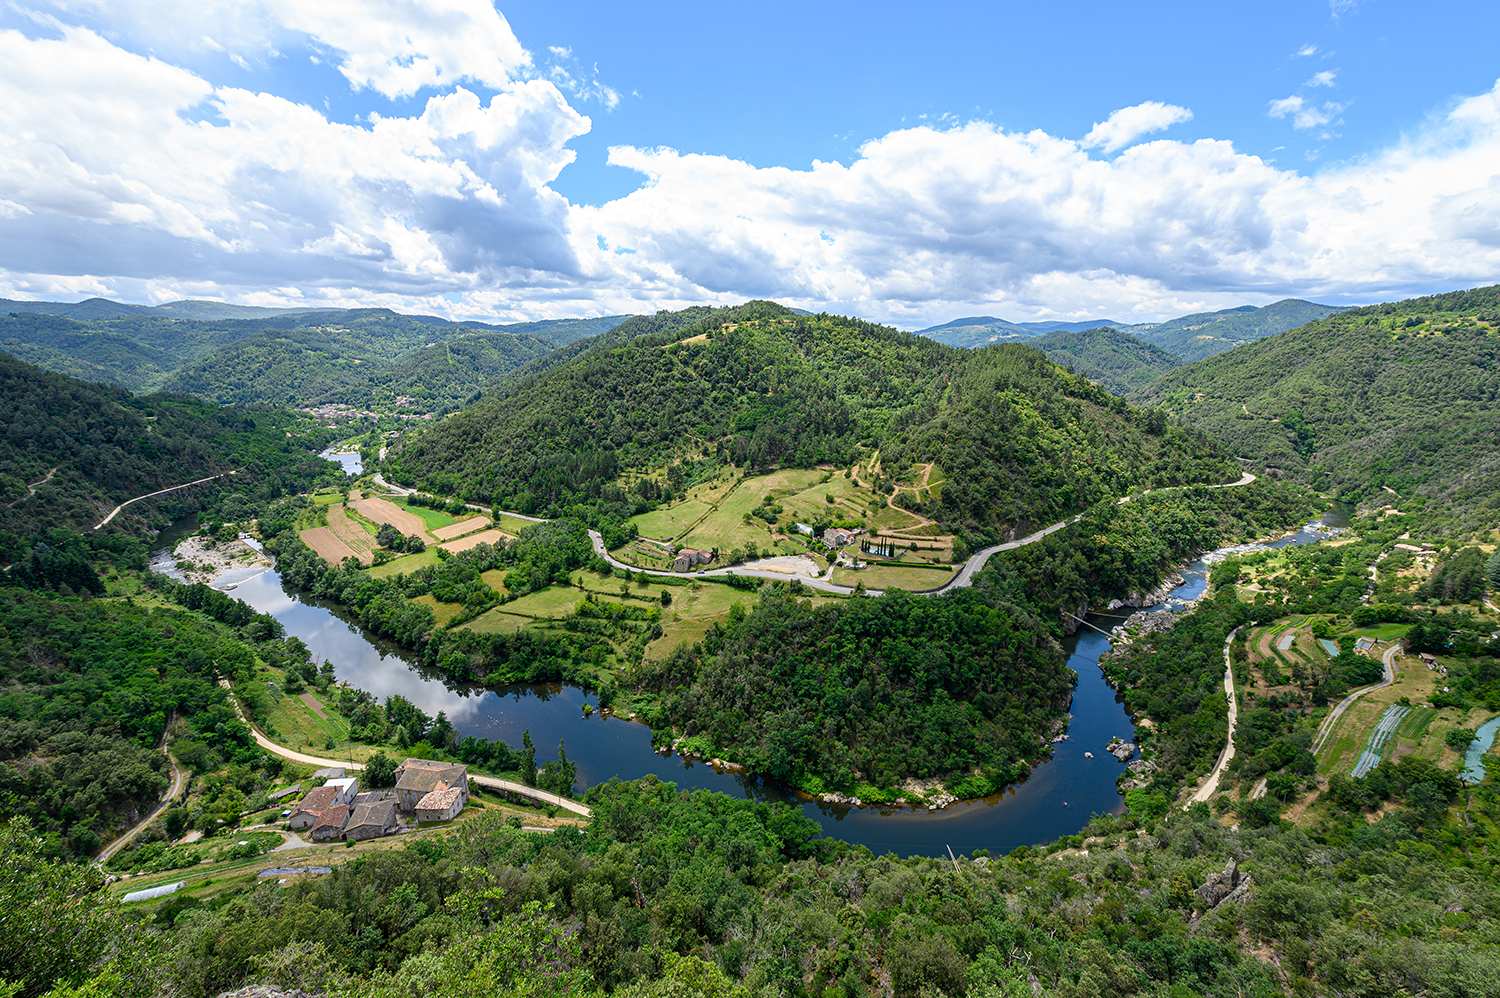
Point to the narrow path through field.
(1211, 785)
(159, 492)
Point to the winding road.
(492, 782)
(159, 492)
(1325, 730)
(172, 793)
(1211, 785)
(400, 491)
(962, 578)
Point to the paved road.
(493, 782)
(380, 480)
(1211, 785)
(1326, 729)
(124, 840)
(963, 577)
(159, 492)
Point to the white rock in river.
(1088, 755)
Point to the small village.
(425, 792)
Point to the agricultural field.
(379, 511)
(405, 565)
(909, 577)
(453, 531)
(511, 525)
(496, 621)
(474, 540)
(341, 538)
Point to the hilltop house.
(372, 820)
(416, 778)
(837, 537)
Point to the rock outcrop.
(1231, 886)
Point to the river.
(1057, 799)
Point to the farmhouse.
(347, 787)
(311, 808)
(442, 804)
(837, 537)
(416, 778)
(372, 820)
(330, 823)
(688, 557)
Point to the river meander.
(1058, 798)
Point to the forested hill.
(241, 356)
(1405, 395)
(72, 451)
(1204, 334)
(1116, 361)
(1018, 440)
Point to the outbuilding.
(371, 821)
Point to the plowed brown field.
(488, 537)
(328, 546)
(453, 530)
(379, 511)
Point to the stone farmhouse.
(688, 557)
(416, 778)
(372, 820)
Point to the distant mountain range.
(1189, 337)
(239, 354)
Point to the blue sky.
(909, 165)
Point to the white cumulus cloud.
(1129, 123)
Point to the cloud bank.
(124, 173)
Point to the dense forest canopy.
(1116, 361)
(70, 451)
(1019, 439)
(1404, 395)
(282, 357)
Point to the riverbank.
(199, 563)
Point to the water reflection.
(1057, 799)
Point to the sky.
(905, 164)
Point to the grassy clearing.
(405, 564)
(496, 621)
(554, 602)
(443, 612)
(905, 577)
(693, 611)
(299, 725)
(495, 579)
(665, 524)
(512, 525)
(725, 528)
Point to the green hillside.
(71, 451)
(1018, 439)
(1203, 334)
(1404, 395)
(238, 355)
(1116, 361)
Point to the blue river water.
(1058, 798)
(1484, 737)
